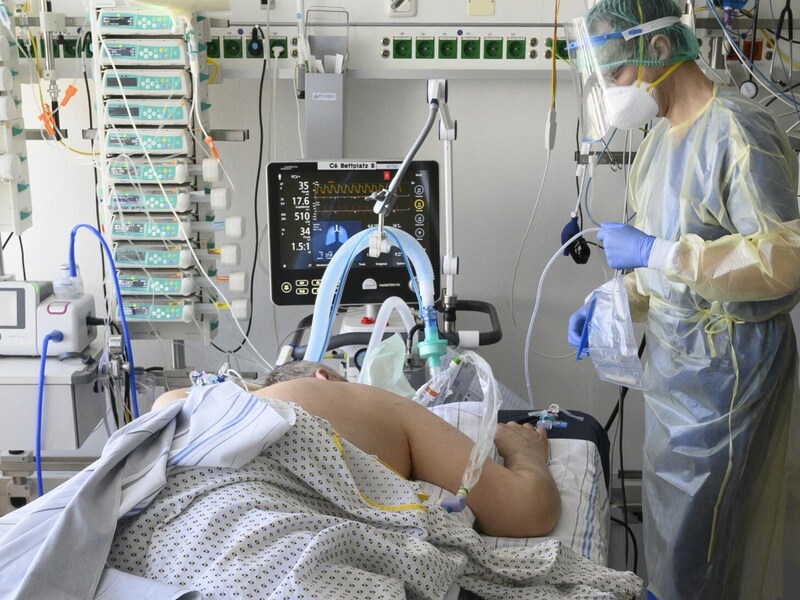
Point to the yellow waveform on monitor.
(348, 189)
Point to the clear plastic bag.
(612, 342)
(438, 390)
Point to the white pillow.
(578, 472)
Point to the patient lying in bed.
(223, 494)
(519, 499)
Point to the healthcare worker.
(715, 249)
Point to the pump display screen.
(118, 20)
(315, 207)
(123, 111)
(128, 82)
(12, 315)
(121, 51)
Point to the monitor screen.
(315, 207)
(12, 302)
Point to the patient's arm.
(519, 500)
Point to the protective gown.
(722, 429)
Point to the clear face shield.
(607, 77)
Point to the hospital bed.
(576, 465)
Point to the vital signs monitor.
(316, 206)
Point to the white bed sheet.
(578, 472)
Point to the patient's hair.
(299, 369)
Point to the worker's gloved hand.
(576, 324)
(626, 247)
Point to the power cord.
(620, 409)
(255, 198)
(629, 533)
(22, 257)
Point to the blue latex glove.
(626, 247)
(576, 324)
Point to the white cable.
(527, 232)
(712, 70)
(297, 102)
(626, 165)
(536, 308)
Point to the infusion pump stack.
(29, 310)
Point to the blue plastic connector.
(454, 504)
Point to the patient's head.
(300, 369)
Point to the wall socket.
(267, 4)
(401, 8)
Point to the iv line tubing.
(536, 307)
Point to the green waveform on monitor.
(349, 189)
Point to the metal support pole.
(178, 355)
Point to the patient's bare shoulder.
(365, 416)
(170, 397)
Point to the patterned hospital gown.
(315, 517)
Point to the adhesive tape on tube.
(10, 167)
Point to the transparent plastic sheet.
(383, 367)
(612, 342)
(437, 391)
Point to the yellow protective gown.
(722, 418)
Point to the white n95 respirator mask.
(630, 106)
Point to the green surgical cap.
(619, 15)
